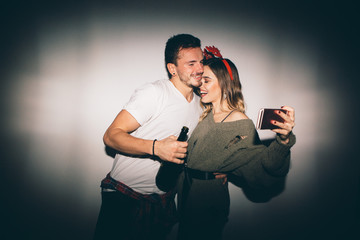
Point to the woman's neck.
(220, 107)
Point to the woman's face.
(210, 90)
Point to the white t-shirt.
(161, 110)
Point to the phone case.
(266, 115)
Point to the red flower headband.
(213, 52)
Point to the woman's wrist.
(284, 139)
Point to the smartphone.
(266, 115)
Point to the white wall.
(74, 72)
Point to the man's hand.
(170, 150)
(287, 126)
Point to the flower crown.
(213, 52)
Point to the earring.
(224, 95)
(174, 74)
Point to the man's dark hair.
(175, 44)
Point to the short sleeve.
(142, 103)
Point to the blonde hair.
(230, 88)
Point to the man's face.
(189, 66)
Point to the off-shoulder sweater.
(233, 148)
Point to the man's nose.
(200, 68)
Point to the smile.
(198, 77)
(202, 93)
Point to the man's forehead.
(184, 52)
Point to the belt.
(198, 174)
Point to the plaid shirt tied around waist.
(154, 210)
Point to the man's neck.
(184, 89)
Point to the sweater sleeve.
(260, 166)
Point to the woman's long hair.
(230, 89)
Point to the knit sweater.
(233, 148)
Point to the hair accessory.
(213, 52)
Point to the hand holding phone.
(266, 115)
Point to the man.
(144, 131)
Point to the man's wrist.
(153, 147)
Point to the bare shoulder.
(237, 115)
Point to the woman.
(226, 141)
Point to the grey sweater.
(233, 148)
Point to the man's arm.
(118, 137)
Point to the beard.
(190, 81)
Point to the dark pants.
(196, 229)
(119, 219)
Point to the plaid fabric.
(155, 212)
